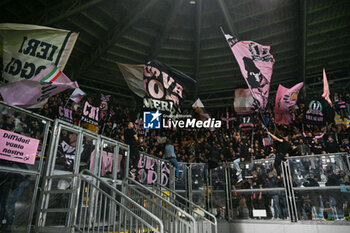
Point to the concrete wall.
(283, 227)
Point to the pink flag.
(77, 95)
(243, 103)
(326, 91)
(255, 62)
(26, 93)
(285, 101)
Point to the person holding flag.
(283, 150)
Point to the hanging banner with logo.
(318, 112)
(285, 102)
(256, 64)
(28, 49)
(90, 114)
(166, 87)
(17, 148)
(65, 114)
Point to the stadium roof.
(303, 35)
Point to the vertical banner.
(90, 114)
(28, 49)
(65, 114)
(104, 106)
(17, 148)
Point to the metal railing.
(175, 219)
(20, 179)
(260, 197)
(207, 222)
(103, 208)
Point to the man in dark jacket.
(331, 145)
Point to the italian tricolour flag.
(51, 74)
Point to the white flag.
(77, 95)
(133, 75)
(29, 49)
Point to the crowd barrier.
(313, 187)
(20, 175)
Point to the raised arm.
(274, 137)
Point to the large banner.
(166, 87)
(256, 64)
(17, 148)
(28, 49)
(285, 102)
(90, 114)
(148, 172)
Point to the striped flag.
(326, 92)
(51, 74)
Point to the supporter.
(283, 151)
(302, 148)
(345, 146)
(169, 154)
(273, 182)
(131, 139)
(317, 147)
(331, 145)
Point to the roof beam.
(3, 3)
(65, 11)
(159, 39)
(104, 91)
(197, 43)
(113, 35)
(228, 18)
(303, 41)
(198, 26)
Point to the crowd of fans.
(193, 146)
(233, 145)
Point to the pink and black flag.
(255, 62)
(326, 92)
(285, 102)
